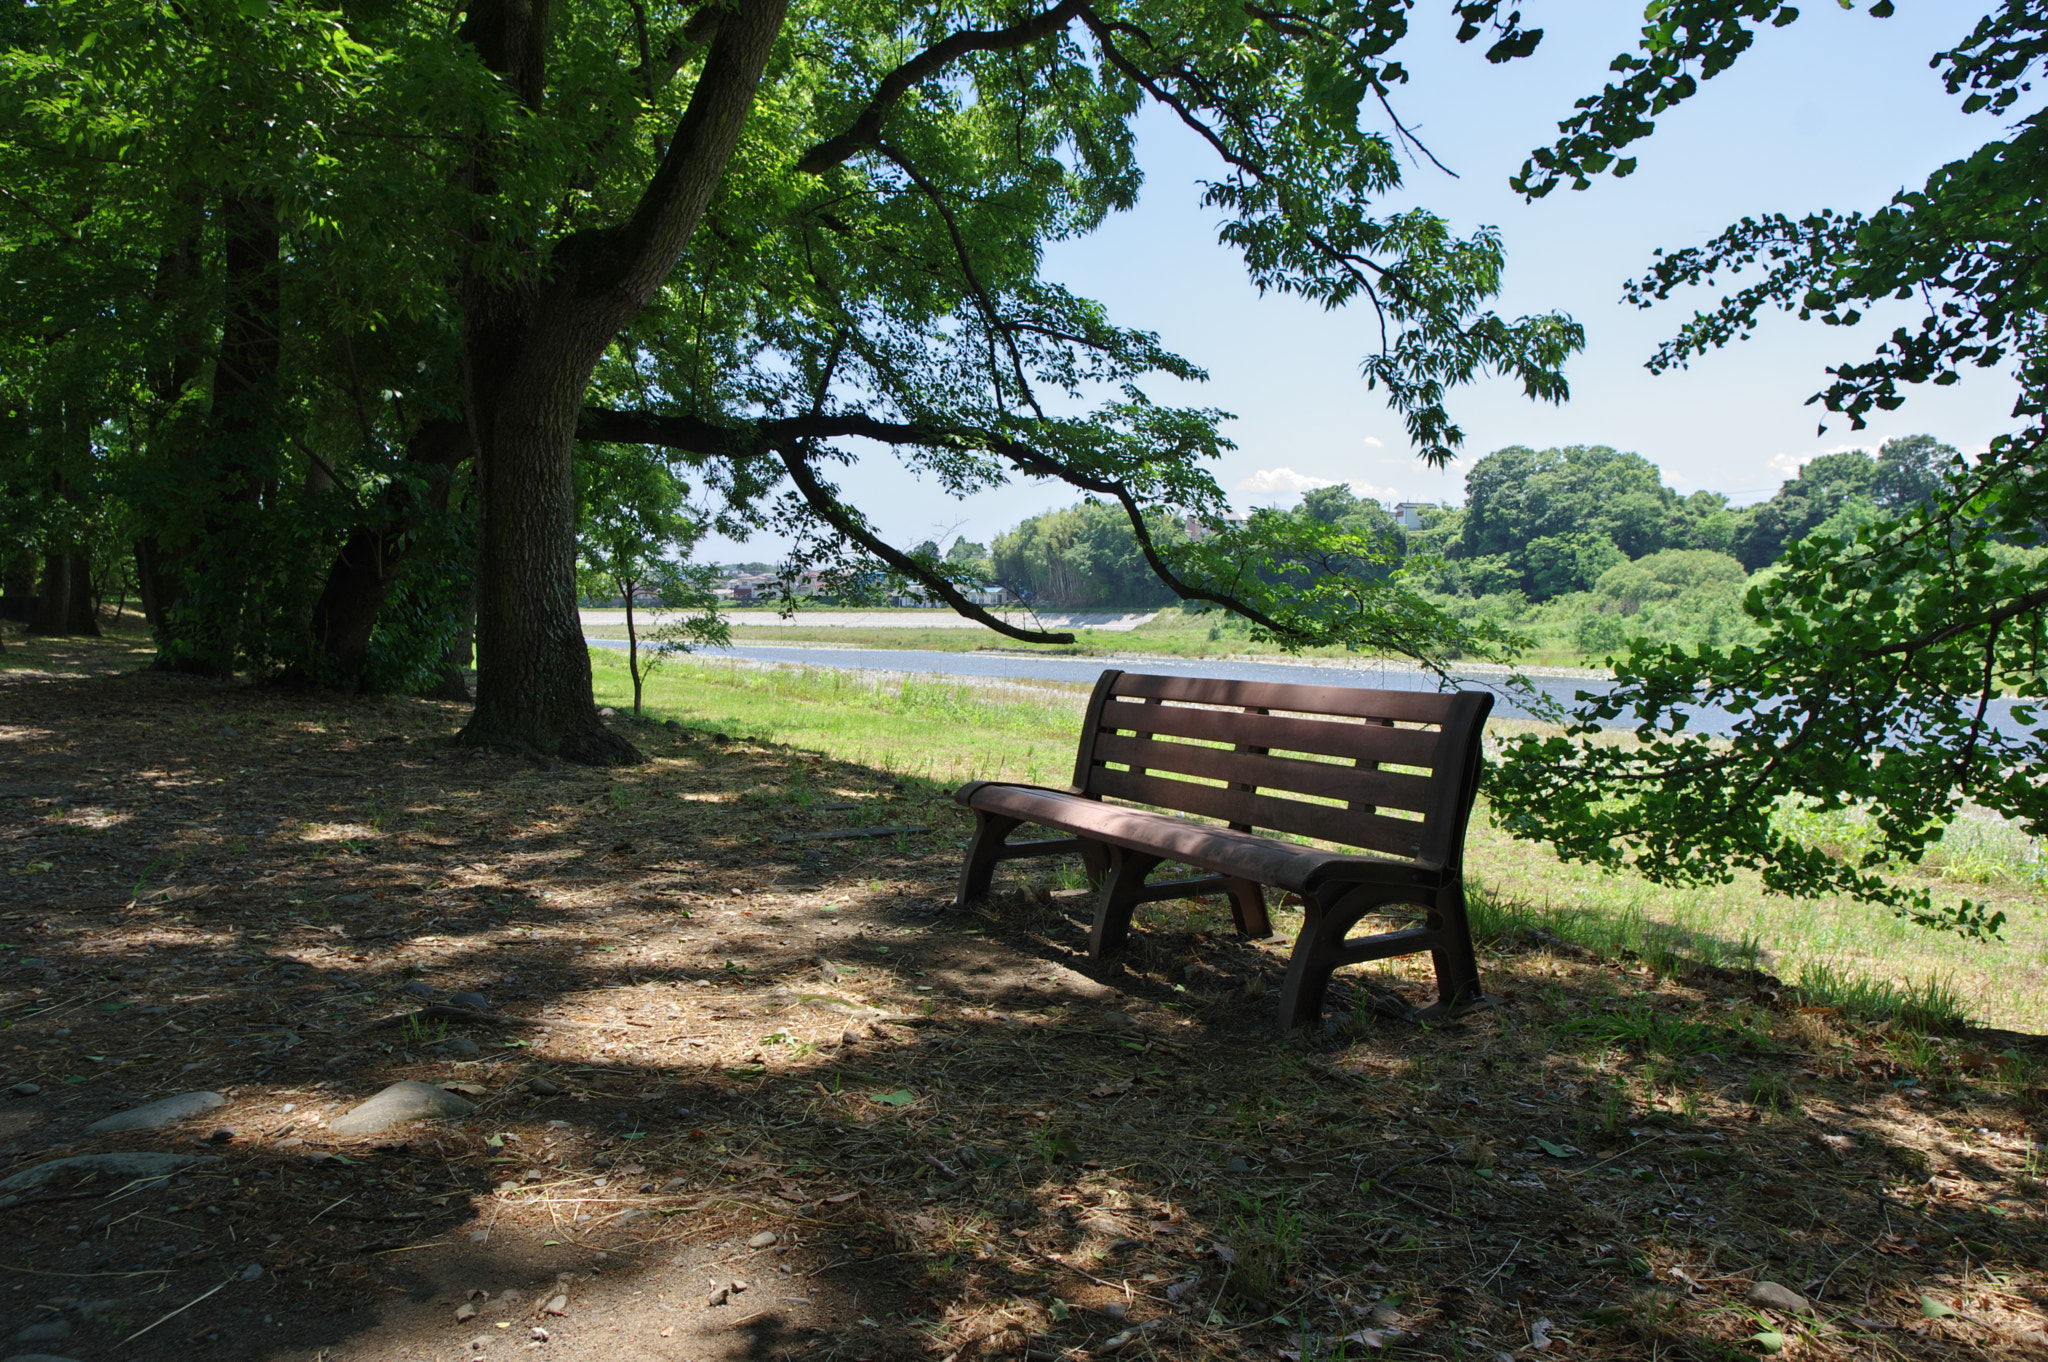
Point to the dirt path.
(769, 1098)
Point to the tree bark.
(371, 557)
(528, 356)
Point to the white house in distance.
(1197, 530)
(1408, 514)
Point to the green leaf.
(1556, 1151)
(1770, 1340)
(1934, 1309)
(899, 1098)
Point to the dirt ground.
(749, 1097)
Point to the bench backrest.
(1146, 739)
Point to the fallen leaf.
(1934, 1309)
(1770, 1340)
(473, 1089)
(840, 1198)
(1111, 1089)
(1556, 1151)
(899, 1098)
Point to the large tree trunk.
(208, 585)
(528, 356)
(370, 559)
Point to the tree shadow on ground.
(782, 1077)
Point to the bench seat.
(1195, 764)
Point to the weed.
(421, 1033)
(1265, 1238)
(1769, 1093)
(1931, 1004)
(1645, 1029)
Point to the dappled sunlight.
(739, 1097)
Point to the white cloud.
(1372, 493)
(1790, 464)
(1269, 480)
(1374, 442)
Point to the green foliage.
(1886, 639)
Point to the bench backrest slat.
(1147, 739)
(1277, 732)
(1350, 702)
(1319, 779)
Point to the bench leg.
(1324, 921)
(1457, 964)
(1120, 889)
(1094, 862)
(1248, 907)
(983, 855)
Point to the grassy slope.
(943, 731)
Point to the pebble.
(540, 1335)
(765, 1239)
(473, 1001)
(48, 1331)
(407, 1100)
(26, 1089)
(1772, 1296)
(420, 990)
(557, 1306)
(540, 1087)
(222, 1136)
(1117, 1021)
(461, 1045)
(138, 1165)
(465, 1312)
(162, 1112)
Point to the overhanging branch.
(867, 128)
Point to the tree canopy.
(409, 265)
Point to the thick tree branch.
(836, 514)
(866, 129)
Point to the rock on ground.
(408, 1100)
(162, 1112)
(138, 1165)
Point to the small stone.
(252, 1272)
(765, 1239)
(512, 1297)
(719, 1296)
(558, 1306)
(26, 1089)
(736, 1286)
(540, 1335)
(462, 1045)
(292, 1143)
(479, 1343)
(540, 1087)
(48, 1331)
(675, 1184)
(465, 1312)
(848, 1038)
(1117, 1021)
(607, 713)
(162, 1112)
(1772, 1296)
(137, 1165)
(407, 1100)
(473, 1001)
(1237, 1166)
(420, 990)
(222, 1136)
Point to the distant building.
(1197, 530)
(1408, 514)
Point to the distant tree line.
(1537, 526)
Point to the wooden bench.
(1244, 753)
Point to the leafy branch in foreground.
(1897, 666)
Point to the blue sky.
(1838, 110)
